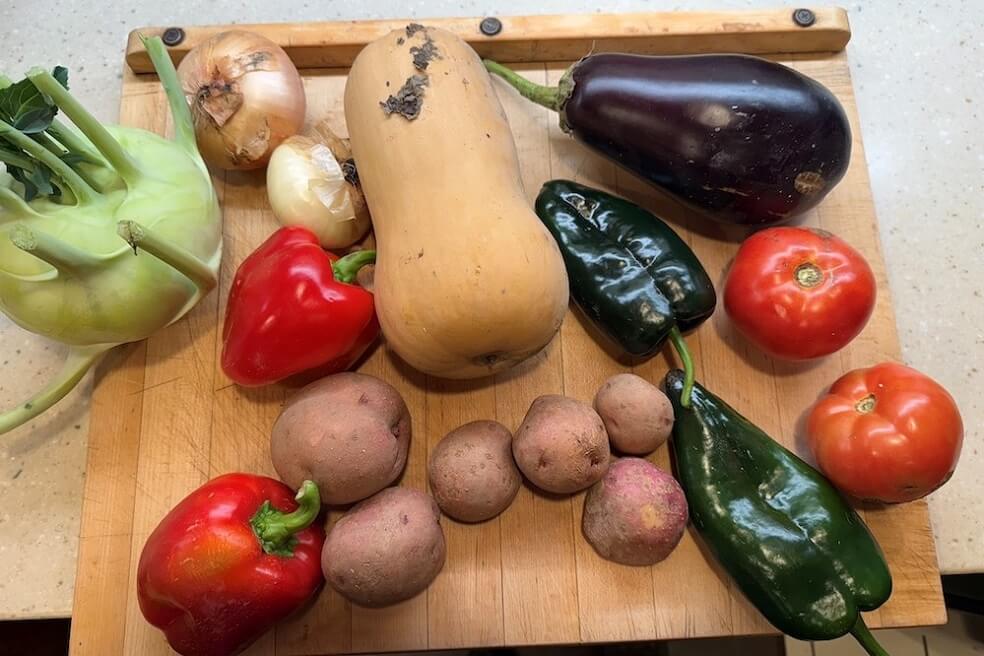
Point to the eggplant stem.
(87, 124)
(176, 257)
(184, 128)
(15, 205)
(80, 360)
(680, 346)
(79, 187)
(66, 258)
(866, 639)
(549, 97)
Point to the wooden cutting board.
(165, 418)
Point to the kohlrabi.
(107, 234)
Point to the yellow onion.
(246, 97)
(311, 182)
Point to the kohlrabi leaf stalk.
(107, 233)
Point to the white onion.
(307, 187)
(246, 97)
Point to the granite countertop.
(920, 96)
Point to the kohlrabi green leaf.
(23, 106)
(87, 201)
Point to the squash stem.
(184, 129)
(144, 238)
(66, 258)
(80, 360)
(549, 97)
(79, 187)
(680, 345)
(346, 268)
(16, 205)
(866, 639)
(87, 123)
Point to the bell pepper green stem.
(346, 268)
(275, 529)
(139, 236)
(549, 97)
(866, 639)
(680, 345)
(87, 123)
(80, 360)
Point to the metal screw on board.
(173, 36)
(490, 26)
(804, 17)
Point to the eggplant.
(737, 138)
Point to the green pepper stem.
(184, 128)
(866, 639)
(680, 345)
(80, 360)
(87, 123)
(346, 268)
(275, 529)
(146, 239)
(549, 97)
(69, 260)
(79, 188)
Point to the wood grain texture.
(545, 38)
(165, 419)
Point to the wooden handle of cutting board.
(548, 38)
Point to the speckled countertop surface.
(920, 91)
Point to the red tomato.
(888, 433)
(799, 293)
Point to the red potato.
(386, 549)
(349, 433)
(561, 446)
(637, 415)
(636, 514)
(472, 473)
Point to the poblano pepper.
(629, 272)
(796, 549)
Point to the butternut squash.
(468, 281)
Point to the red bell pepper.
(292, 308)
(229, 561)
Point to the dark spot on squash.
(413, 28)
(409, 100)
(423, 55)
